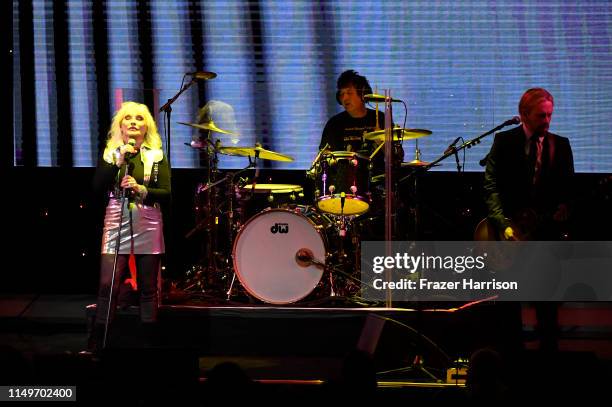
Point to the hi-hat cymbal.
(256, 151)
(398, 134)
(207, 126)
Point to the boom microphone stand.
(167, 107)
(452, 150)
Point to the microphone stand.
(231, 177)
(455, 150)
(390, 193)
(167, 109)
(117, 244)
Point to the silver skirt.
(146, 229)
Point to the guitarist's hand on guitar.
(509, 233)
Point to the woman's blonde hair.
(115, 138)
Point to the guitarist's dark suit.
(509, 184)
(510, 189)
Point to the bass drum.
(265, 251)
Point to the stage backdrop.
(460, 66)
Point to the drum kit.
(271, 243)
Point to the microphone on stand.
(452, 149)
(457, 159)
(452, 145)
(305, 257)
(514, 120)
(374, 97)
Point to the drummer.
(344, 131)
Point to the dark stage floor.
(297, 350)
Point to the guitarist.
(530, 168)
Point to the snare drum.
(343, 183)
(255, 200)
(266, 252)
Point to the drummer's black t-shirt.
(345, 133)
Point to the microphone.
(304, 257)
(202, 75)
(128, 155)
(514, 120)
(452, 150)
(375, 97)
(451, 146)
(126, 163)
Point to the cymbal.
(260, 152)
(398, 133)
(207, 126)
(418, 163)
(203, 75)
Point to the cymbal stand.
(230, 177)
(213, 201)
(415, 210)
(341, 252)
(204, 276)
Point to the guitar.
(525, 224)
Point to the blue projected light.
(461, 67)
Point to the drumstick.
(316, 160)
(376, 151)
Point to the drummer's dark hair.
(352, 77)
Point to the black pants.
(547, 325)
(147, 266)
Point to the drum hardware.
(414, 164)
(236, 188)
(417, 159)
(342, 183)
(218, 218)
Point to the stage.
(295, 349)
